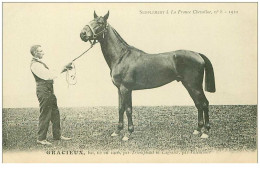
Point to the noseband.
(95, 35)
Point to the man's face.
(39, 53)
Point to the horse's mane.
(123, 41)
(119, 37)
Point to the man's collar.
(37, 59)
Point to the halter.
(71, 74)
(95, 35)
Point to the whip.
(71, 74)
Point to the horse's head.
(95, 29)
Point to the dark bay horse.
(132, 69)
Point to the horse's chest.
(121, 75)
(116, 78)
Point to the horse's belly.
(141, 85)
(151, 78)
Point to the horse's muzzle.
(84, 36)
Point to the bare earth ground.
(164, 128)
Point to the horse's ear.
(106, 16)
(95, 15)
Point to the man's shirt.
(42, 72)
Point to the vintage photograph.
(129, 83)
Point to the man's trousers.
(49, 111)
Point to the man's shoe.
(44, 142)
(63, 138)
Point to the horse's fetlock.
(205, 130)
(121, 111)
(200, 124)
(207, 126)
(131, 129)
(120, 126)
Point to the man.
(49, 110)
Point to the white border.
(133, 172)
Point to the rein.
(71, 74)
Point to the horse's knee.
(121, 110)
(129, 111)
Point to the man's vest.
(41, 83)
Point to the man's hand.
(67, 67)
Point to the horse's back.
(172, 57)
(143, 71)
(174, 61)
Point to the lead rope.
(71, 74)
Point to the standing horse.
(132, 69)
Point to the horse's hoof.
(114, 134)
(125, 138)
(196, 132)
(204, 135)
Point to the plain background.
(229, 41)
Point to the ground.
(161, 128)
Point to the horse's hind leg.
(206, 114)
(201, 103)
(204, 103)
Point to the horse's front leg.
(121, 110)
(126, 105)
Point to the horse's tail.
(209, 75)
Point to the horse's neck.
(113, 47)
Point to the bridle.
(94, 34)
(71, 74)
